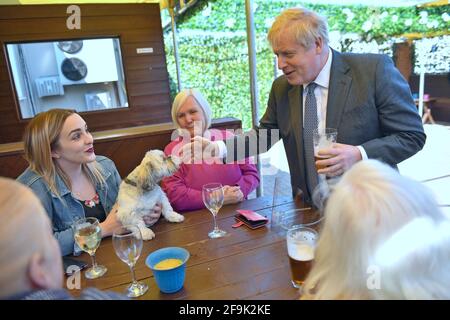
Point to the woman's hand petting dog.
(232, 194)
(151, 218)
(111, 222)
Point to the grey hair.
(370, 204)
(306, 25)
(18, 246)
(201, 100)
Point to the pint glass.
(322, 139)
(301, 243)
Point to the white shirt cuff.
(222, 149)
(363, 153)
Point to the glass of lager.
(301, 243)
(323, 138)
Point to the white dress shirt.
(321, 93)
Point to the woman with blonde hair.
(66, 175)
(191, 114)
(384, 237)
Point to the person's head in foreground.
(30, 257)
(384, 237)
(299, 38)
(191, 111)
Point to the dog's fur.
(140, 191)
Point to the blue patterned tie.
(310, 123)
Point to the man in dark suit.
(363, 96)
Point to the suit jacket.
(369, 102)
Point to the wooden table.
(246, 264)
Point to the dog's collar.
(134, 184)
(130, 182)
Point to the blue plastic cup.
(170, 280)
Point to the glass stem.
(133, 277)
(94, 262)
(215, 222)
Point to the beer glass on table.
(88, 235)
(323, 138)
(301, 244)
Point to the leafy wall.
(213, 48)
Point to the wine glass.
(88, 235)
(212, 194)
(127, 242)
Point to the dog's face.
(155, 166)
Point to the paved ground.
(431, 165)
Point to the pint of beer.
(301, 243)
(323, 138)
(318, 157)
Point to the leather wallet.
(250, 218)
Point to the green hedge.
(219, 68)
(213, 48)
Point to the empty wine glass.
(127, 242)
(88, 235)
(212, 194)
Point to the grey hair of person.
(307, 26)
(25, 230)
(366, 208)
(201, 101)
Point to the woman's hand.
(232, 194)
(153, 216)
(110, 223)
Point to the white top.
(321, 92)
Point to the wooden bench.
(126, 147)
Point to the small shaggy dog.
(139, 192)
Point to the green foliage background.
(213, 48)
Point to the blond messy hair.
(306, 25)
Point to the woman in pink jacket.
(191, 113)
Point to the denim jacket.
(64, 212)
(62, 294)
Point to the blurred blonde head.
(305, 25)
(367, 208)
(27, 244)
(41, 138)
